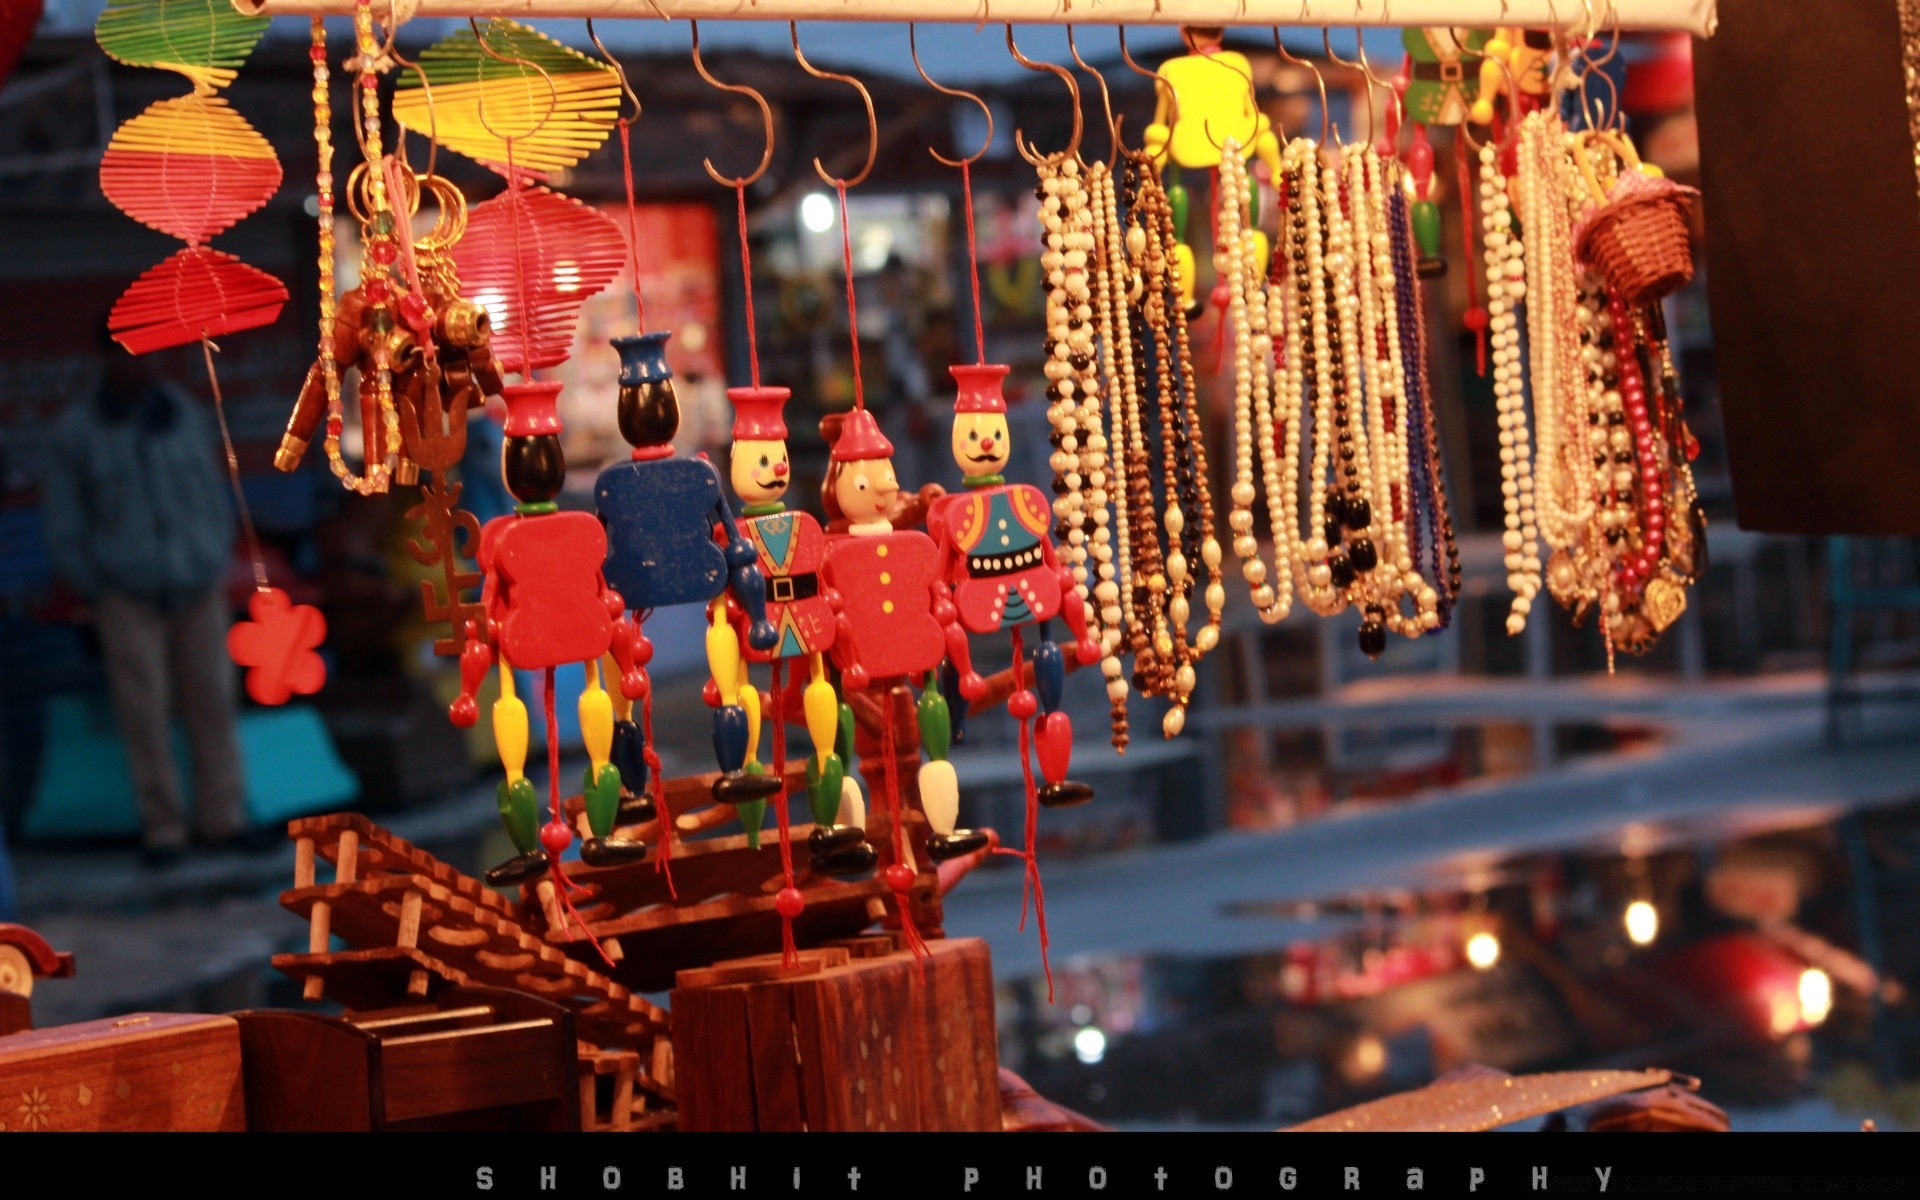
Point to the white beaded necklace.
(1507, 287)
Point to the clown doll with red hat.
(998, 557)
(790, 548)
(895, 616)
(547, 604)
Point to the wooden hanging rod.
(1687, 16)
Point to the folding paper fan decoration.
(205, 40)
(531, 257)
(531, 100)
(189, 166)
(198, 291)
(153, 171)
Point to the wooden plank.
(963, 1079)
(713, 1072)
(149, 1072)
(460, 1070)
(307, 1074)
(368, 979)
(777, 1100)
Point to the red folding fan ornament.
(531, 257)
(197, 292)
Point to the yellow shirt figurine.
(1207, 99)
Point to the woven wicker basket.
(1637, 236)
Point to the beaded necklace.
(1168, 669)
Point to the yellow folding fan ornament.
(501, 92)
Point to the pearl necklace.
(1079, 456)
(1112, 274)
(1237, 262)
(1506, 289)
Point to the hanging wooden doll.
(998, 557)
(1211, 100)
(790, 548)
(1519, 66)
(671, 540)
(547, 605)
(1438, 85)
(895, 613)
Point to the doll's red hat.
(532, 407)
(861, 439)
(758, 413)
(979, 388)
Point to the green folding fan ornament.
(502, 93)
(205, 40)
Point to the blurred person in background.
(140, 526)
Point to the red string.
(562, 885)
(656, 774)
(853, 309)
(746, 285)
(1467, 211)
(973, 265)
(524, 318)
(789, 956)
(902, 845)
(633, 228)
(1032, 883)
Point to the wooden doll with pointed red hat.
(789, 548)
(547, 604)
(895, 613)
(997, 555)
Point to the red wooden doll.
(895, 613)
(547, 604)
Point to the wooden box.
(858, 1037)
(476, 1059)
(149, 1072)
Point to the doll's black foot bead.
(854, 862)
(611, 851)
(740, 787)
(942, 847)
(521, 869)
(1065, 794)
(831, 839)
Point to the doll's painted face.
(760, 471)
(865, 490)
(980, 443)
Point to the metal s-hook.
(1326, 113)
(1253, 100)
(987, 111)
(1021, 144)
(866, 98)
(620, 72)
(1326, 40)
(480, 94)
(1375, 81)
(766, 119)
(426, 93)
(1160, 80)
(1106, 101)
